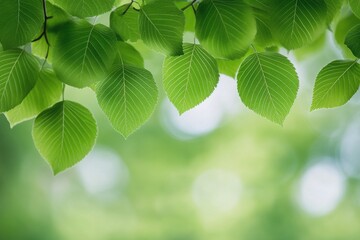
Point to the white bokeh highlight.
(216, 192)
(321, 188)
(102, 171)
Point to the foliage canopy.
(47, 45)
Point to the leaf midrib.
(266, 84)
(188, 76)
(294, 19)
(10, 73)
(161, 35)
(221, 18)
(336, 81)
(86, 49)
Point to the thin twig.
(189, 5)
(128, 7)
(44, 32)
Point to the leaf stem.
(253, 47)
(63, 91)
(44, 31)
(128, 7)
(190, 5)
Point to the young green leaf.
(83, 53)
(18, 74)
(125, 25)
(161, 26)
(64, 134)
(296, 23)
(352, 40)
(191, 78)
(268, 84)
(225, 28)
(47, 91)
(355, 7)
(20, 21)
(128, 97)
(336, 83)
(128, 55)
(85, 8)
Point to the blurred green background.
(218, 172)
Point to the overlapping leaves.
(162, 26)
(83, 53)
(298, 22)
(219, 35)
(225, 28)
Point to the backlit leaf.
(296, 23)
(128, 97)
(83, 53)
(225, 28)
(161, 27)
(336, 83)
(191, 78)
(268, 84)
(47, 91)
(64, 134)
(126, 26)
(18, 74)
(128, 55)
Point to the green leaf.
(336, 83)
(341, 31)
(83, 53)
(161, 27)
(333, 8)
(229, 67)
(20, 21)
(128, 97)
(268, 84)
(18, 74)
(191, 78)
(47, 91)
(64, 134)
(85, 8)
(128, 55)
(355, 7)
(225, 28)
(296, 23)
(126, 26)
(352, 40)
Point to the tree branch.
(44, 32)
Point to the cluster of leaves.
(47, 45)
